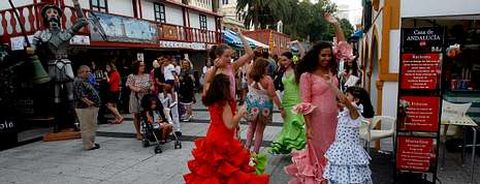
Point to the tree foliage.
(263, 13)
(302, 20)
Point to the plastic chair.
(452, 112)
(369, 134)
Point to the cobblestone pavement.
(122, 159)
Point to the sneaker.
(96, 146)
(189, 118)
(178, 133)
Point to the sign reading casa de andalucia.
(416, 40)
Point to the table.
(465, 122)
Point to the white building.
(144, 29)
(380, 46)
(188, 20)
(350, 10)
(231, 18)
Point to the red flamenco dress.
(219, 157)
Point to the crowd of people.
(319, 99)
(98, 89)
(316, 91)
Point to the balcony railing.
(182, 33)
(30, 16)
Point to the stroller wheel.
(145, 143)
(158, 150)
(178, 145)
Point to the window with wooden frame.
(159, 11)
(203, 21)
(99, 5)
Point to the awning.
(232, 38)
(357, 35)
(257, 43)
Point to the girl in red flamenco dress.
(219, 157)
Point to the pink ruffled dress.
(308, 164)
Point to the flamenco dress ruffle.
(292, 136)
(220, 159)
(305, 168)
(347, 160)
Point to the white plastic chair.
(452, 112)
(369, 134)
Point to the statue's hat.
(50, 6)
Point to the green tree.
(306, 21)
(302, 20)
(263, 13)
(347, 28)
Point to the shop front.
(438, 87)
(121, 40)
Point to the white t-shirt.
(168, 72)
(205, 69)
(178, 69)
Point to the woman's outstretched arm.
(248, 56)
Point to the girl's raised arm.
(248, 56)
(338, 28)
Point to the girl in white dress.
(347, 160)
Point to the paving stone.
(124, 160)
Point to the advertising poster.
(421, 71)
(419, 101)
(416, 154)
(418, 113)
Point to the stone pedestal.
(67, 134)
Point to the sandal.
(121, 120)
(115, 122)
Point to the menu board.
(416, 154)
(421, 71)
(418, 113)
(419, 100)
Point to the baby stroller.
(154, 131)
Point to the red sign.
(420, 71)
(418, 113)
(416, 153)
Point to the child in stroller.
(155, 124)
(169, 100)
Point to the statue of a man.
(53, 43)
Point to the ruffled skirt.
(220, 161)
(292, 136)
(305, 168)
(347, 163)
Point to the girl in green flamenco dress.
(292, 136)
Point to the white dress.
(347, 160)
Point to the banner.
(125, 29)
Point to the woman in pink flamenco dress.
(319, 107)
